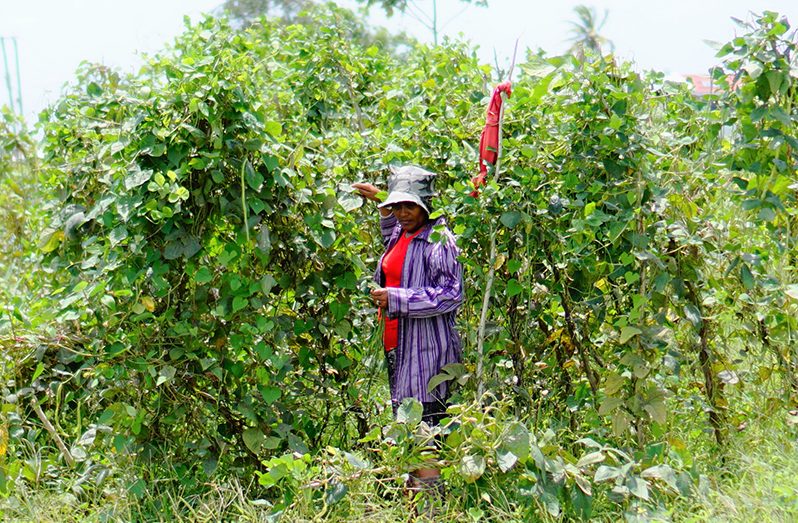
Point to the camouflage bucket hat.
(410, 183)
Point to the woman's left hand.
(380, 297)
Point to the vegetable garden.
(186, 279)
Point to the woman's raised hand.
(367, 191)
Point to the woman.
(420, 291)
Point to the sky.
(54, 36)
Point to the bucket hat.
(410, 183)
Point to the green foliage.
(20, 214)
(200, 307)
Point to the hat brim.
(398, 197)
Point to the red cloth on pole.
(489, 141)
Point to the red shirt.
(392, 265)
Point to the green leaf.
(80, 286)
(253, 439)
(551, 503)
(327, 238)
(50, 240)
(505, 459)
(754, 69)
(693, 315)
(210, 464)
(775, 79)
(183, 245)
(582, 498)
(335, 493)
(621, 421)
(436, 380)
(613, 383)
(118, 234)
(108, 301)
(166, 373)
(356, 461)
(203, 275)
(264, 239)
(254, 178)
(604, 473)
(657, 410)
(37, 372)
(472, 467)
(663, 473)
(273, 128)
(514, 288)
(516, 440)
(746, 277)
(792, 291)
(350, 202)
(638, 487)
(609, 404)
(591, 459)
(409, 412)
(267, 283)
(271, 394)
(537, 67)
(93, 89)
(511, 218)
(627, 333)
(255, 204)
(137, 177)
(239, 302)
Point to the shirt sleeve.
(387, 226)
(444, 294)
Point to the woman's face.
(411, 216)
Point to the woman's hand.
(380, 297)
(369, 192)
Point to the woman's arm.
(387, 219)
(388, 225)
(443, 295)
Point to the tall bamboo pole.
(7, 75)
(19, 81)
(483, 317)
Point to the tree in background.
(585, 32)
(245, 11)
(416, 11)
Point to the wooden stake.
(53, 434)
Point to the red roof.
(702, 84)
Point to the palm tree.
(585, 32)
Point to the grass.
(761, 481)
(757, 482)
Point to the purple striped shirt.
(425, 304)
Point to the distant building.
(703, 85)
